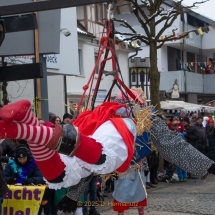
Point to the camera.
(66, 32)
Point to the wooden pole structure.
(38, 81)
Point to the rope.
(144, 188)
(35, 102)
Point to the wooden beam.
(44, 5)
(37, 58)
(21, 72)
(19, 23)
(118, 4)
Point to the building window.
(96, 57)
(191, 58)
(174, 59)
(190, 20)
(139, 77)
(100, 12)
(80, 59)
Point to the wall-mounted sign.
(101, 95)
(53, 61)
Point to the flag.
(185, 17)
(126, 45)
(174, 35)
(190, 35)
(200, 31)
(196, 32)
(134, 43)
(162, 37)
(119, 46)
(210, 28)
(182, 34)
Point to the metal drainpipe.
(182, 58)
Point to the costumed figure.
(102, 143)
(129, 187)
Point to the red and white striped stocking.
(21, 112)
(40, 152)
(39, 139)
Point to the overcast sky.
(207, 9)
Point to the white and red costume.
(101, 131)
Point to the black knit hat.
(199, 117)
(67, 115)
(22, 151)
(186, 119)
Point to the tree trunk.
(154, 76)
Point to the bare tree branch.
(173, 37)
(126, 25)
(132, 37)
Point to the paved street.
(180, 198)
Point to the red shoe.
(16, 111)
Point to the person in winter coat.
(194, 117)
(176, 123)
(22, 169)
(153, 162)
(3, 185)
(210, 132)
(196, 136)
(9, 147)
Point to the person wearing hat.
(196, 136)
(175, 124)
(186, 124)
(210, 132)
(51, 115)
(182, 114)
(194, 118)
(22, 169)
(67, 118)
(3, 185)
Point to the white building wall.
(162, 59)
(68, 45)
(56, 95)
(18, 90)
(207, 40)
(69, 62)
(144, 53)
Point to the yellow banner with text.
(22, 200)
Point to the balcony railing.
(188, 82)
(195, 40)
